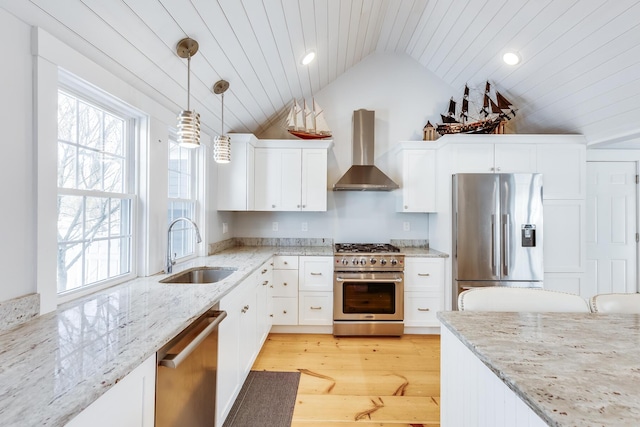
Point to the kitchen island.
(536, 369)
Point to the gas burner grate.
(367, 248)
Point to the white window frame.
(88, 93)
(186, 229)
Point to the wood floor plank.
(366, 408)
(380, 381)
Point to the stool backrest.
(615, 303)
(502, 298)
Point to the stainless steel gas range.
(368, 290)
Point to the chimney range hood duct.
(363, 175)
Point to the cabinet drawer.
(316, 273)
(420, 308)
(285, 283)
(424, 274)
(285, 262)
(285, 311)
(315, 308)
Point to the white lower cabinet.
(284, 296)
(240, 337)
(315, 282)
(129, 403)
(315, 308)
(423, 291)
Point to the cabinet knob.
(298, 205)
(286, 263)
(273, 206)
(284, 284)
(264, 271)
(423, 309)
(304, 206)
(265, 283)
(284, 311)
(406, 207)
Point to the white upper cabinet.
(564, 170)
(494, 158)
(418, 179)
(235, 179)
(274, 175)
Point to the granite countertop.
(422, 252)
(571, 369)
(55, 365)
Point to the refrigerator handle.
(493, 245)
(505, 242)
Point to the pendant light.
(222, 143)
(188, 120)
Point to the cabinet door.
(564, 232)
(285, 283)
(515, 158)
(128, 403)
(285, 310)
(248, 338)
(268, 179)
(424, 274)
(316, 273)
(472, 158)
(420, 308)
(291, 179)
(236, 179)
(315, 308)
(418, 181)
(264, 287)
(564, 170)
(228, 375)
(314, 180)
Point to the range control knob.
(354, 262)
(372, 261)
(344, 261)
(363, 261)
(383, 262)
(394, 262)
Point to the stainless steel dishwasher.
(186, 374)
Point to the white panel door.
(611, 227)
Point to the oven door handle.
(394, 279)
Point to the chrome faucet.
(170, 260)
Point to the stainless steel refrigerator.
(497, 231)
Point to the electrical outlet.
(305, 226)
(406, 226)
(274, 226)
(225, 228)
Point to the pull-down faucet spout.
(170, 260)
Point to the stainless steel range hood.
(363, 175)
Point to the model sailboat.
(488, 118)
(307, 124)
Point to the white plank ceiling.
(580, 71)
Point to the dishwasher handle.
(174, 360)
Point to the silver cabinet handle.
(423, 309)
(395, 279)
(315, 308)
(245, 308)
(264, 271)
(424, 274)
(316, 274)
(265, 283)
(174, 360)
(273, 206)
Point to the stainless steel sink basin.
(200, 275)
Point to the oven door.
(368, 296)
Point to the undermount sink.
(200, 275)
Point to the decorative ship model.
(491, 114)
(307, 124)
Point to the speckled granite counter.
(571, 369)
(423, 252)
(54, 366)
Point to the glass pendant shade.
(189, 129)
(222, 149)
(188, 120)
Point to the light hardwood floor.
(359, 381)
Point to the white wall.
(17, 177)
(404, 96)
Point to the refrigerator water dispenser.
(528, 235)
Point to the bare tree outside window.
(94, 206)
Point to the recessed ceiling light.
(511, 58)
(310, 56)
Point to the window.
(95, 193)
(182, 198)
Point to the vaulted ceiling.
(580, 69)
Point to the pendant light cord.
(189, 82)
(222, 117)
